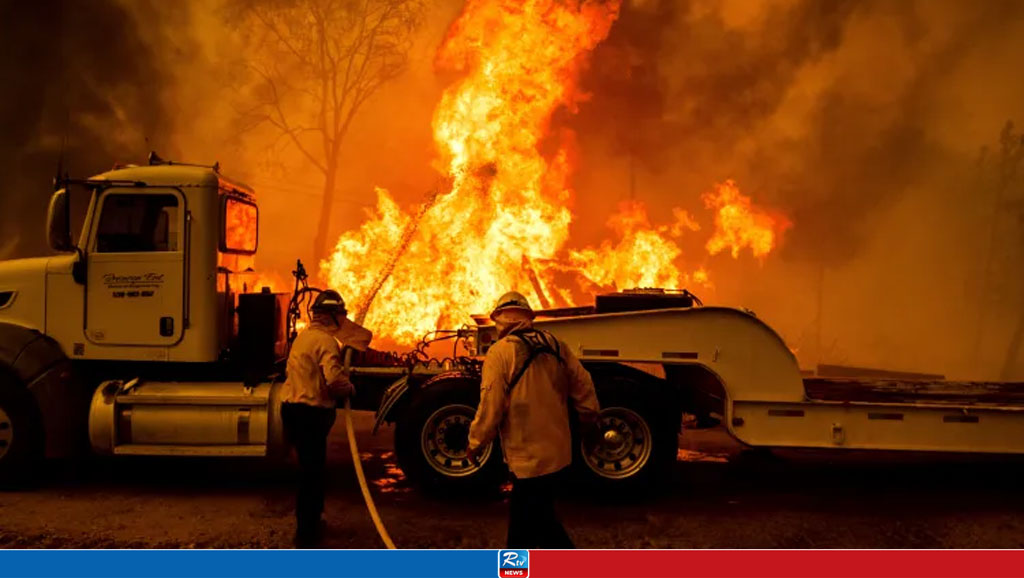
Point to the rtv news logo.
(513, 563)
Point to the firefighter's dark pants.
(532, 521)
(306, 428)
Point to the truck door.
(135, 293)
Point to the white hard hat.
(329, 301)
(513, 301)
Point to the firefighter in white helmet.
(529, 378)
(316, 379)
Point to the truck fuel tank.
(185, 418)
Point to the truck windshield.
(136, 223)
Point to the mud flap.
(394, 393)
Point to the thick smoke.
(863, 122)
(77, 77)
(116, 79)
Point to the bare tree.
(1005, 166)
(316, 63)
(1012, 159)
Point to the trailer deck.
(915, 391)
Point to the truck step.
(164, 399)
(182, 450)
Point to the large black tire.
(21, 436)
(638, 443)
(432, 433)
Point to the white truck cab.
(151, 289)
(161, 248)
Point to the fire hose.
(357, 461)
(300, 296)
(382, 277)
(358, 464)
(403, 243)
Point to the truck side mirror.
(58, 223)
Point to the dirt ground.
(718, 497)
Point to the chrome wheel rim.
(444, 440)
(624, 447)
(6, 432)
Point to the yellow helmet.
(512, 301)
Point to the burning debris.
(504, 221)
(739, 225)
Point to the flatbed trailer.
(726, 365)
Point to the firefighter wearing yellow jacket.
(316, 378)
(529, 378)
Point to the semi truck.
(149, 335)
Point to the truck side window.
(240, 226)
(134, 223)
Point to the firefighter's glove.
(590, 432)
(343, 389)
(473, 453)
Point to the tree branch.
(326, 136)
(333, 55)
(357, 98)
(280, 37)
(282, 122)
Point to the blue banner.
(249, 563)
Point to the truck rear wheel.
(21, 437)
(637, 439)
(432, 435)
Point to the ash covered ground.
(718, 497)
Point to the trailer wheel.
(637, 439)
(432, 435)
(21, 436)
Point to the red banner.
(776, 563)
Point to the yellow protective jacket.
(533, 419)
(316, 372)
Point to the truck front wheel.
(21, 438)
(432, 435)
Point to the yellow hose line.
(362, 478)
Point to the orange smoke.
(504, 223)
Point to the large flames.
(502, 221)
